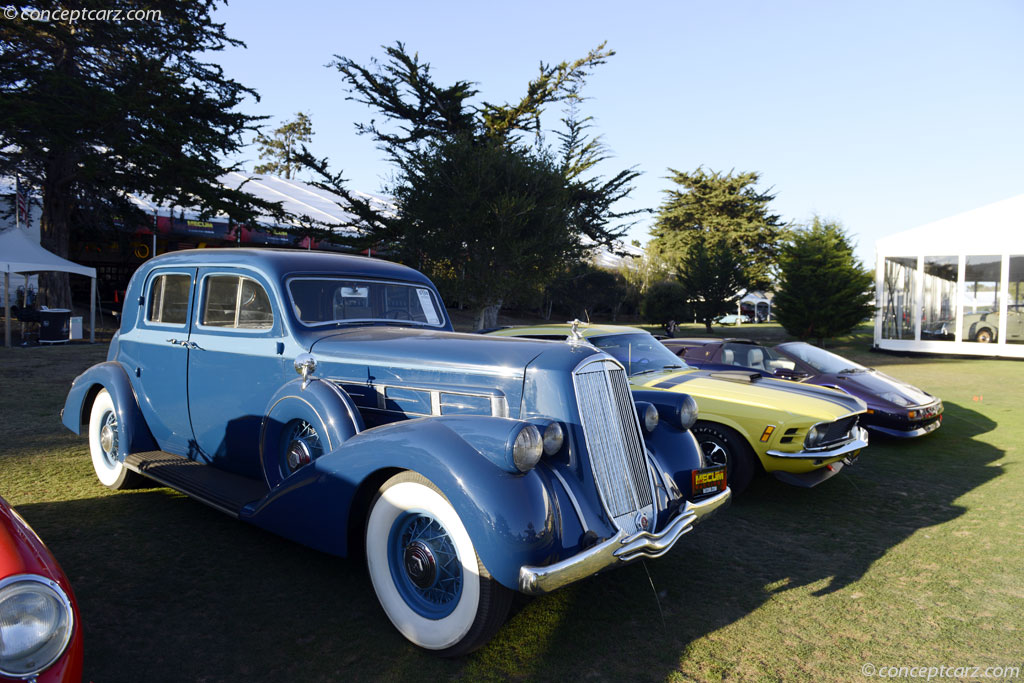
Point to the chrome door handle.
(175, 341)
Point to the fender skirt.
(110, 375)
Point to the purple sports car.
(894, 407)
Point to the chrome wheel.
(714, 454)
(301, 446)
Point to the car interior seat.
(728, 357)
(755, 359)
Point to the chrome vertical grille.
(616, 448)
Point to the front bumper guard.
(859, 441)
(619, 549)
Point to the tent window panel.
(900, 278)
(981, 298)
(939, 292)
(168, 299)
(1015, 305)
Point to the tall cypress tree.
(92, 110)
(823, 291)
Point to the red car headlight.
(36, 622)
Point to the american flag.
(21, 201)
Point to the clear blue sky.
(882, 115)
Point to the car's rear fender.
(134, 433)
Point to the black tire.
(723, 446)
(467, 617)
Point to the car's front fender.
(135, 436)
(513, 519)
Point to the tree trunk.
(488, 316)
(55, 226)
(707, 326)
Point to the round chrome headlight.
(554, 437)
(687, 412)
(35, 624)
(650, 417)
(528, 448)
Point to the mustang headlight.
(815, 435)
(35, 624)
(527, 448)
(554, 437)
(898, 399)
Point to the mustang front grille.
(614, 442)
(839, 431)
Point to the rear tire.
(104, 446)
(722, 446)
(984, 336)
(426, 572)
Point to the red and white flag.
(21, 202)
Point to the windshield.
(821, 360)
(323, 301)
(638, 352)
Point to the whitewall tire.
(425, 570)
(104, 445)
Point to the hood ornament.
(574, 333)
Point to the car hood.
(749, 388)
(401, 356)
(872, 384)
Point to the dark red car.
(40, 633)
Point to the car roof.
(282, 262)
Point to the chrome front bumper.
(859, 441)
(619, 550)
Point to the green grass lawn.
(913, 557)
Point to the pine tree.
(720, 208)
(822, 291)
(712, 277)
(280, 150)
(91, 111)
(519, 235)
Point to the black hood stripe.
(842, 400)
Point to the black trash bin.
(54, 325)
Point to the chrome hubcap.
(420, 564)
(108, 436)
(303, 447)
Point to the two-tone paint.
(384, 397)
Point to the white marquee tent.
(19, 253)
(955, 285)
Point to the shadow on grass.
(172, 590)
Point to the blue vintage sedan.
(463, 467)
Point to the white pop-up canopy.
(19, 253)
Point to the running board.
(222, 490)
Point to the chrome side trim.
(572, 499)
(859, 441)
(619, 550)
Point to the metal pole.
(92, 311)
(7, 308)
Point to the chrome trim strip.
(572, 499)
(619, 549)
(859, 441)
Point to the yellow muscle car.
(801, 434)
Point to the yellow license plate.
(708, 480)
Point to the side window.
(238, 302)
(168, 299)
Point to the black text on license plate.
(708, 480)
